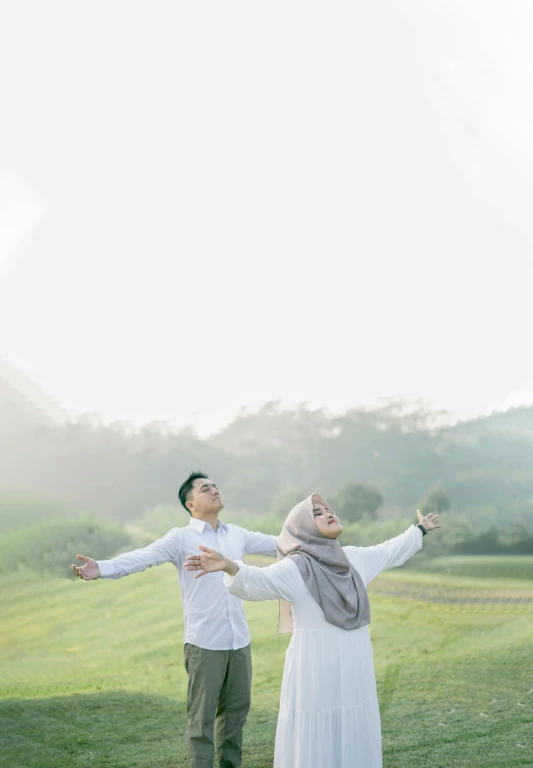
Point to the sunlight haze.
(329, 204)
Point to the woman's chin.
(336, 532)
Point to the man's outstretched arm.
(259, 543)
(163, 550)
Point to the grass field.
(91, 674)
(486, 567)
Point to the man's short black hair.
(186, 487)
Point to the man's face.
(205, 498)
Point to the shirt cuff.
(419, 538)
(229, 580)
(106, 568)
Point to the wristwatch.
(419, 525)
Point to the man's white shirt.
(213, 619)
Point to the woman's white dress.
(329, 713)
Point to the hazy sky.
(204, 205)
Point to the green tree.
(285, 500)
(354, 500)
(436, 501)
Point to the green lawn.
(91, 674)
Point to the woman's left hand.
(429, 521)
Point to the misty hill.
(23, 403)
(263, 458)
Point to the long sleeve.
(371, 561)
(260, 544)
(163, 550)
(272, 583)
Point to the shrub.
(51, 547)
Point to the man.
(216, 637)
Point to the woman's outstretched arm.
(371, 561)
(248, 582)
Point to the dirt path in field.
(435, 594)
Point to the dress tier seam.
(290, 712)
(335, 630)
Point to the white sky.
(205, 205)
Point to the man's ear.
(190, 506)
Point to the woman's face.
(327, 523)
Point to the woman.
(329, 713)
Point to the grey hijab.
(333, 582)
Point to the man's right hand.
(88, 571)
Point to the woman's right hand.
(209, 561)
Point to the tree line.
(373, 464)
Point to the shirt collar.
(199, 525)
